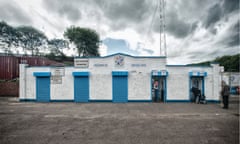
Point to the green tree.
(85, 39)
(230, 62)
(9, 37)
(56, 46)
(32, 39)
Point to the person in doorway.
(225, 94)
(155, 87)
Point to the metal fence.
(9, 65)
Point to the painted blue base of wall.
(213, 101)
(139, 101)
(100, 100)
(61, 100)
(178, 101)
(167, 101)
(188, 101)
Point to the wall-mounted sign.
(138, 65)
(58, 71)
(56, 79)
(100, 65)
(163, 72)
(197, 73)
(119, 60)
(159, 73)
(155, 72)
(81, 63)
(202, 73)
(194, 73)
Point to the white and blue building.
(119, 78)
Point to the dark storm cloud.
(12, 13)
(183, 17)
(64, 8)
(218, 11)
(119, 14)
(230, 5)
(214, 15)
(71, 12)
(122, 14)
(233, 38)
(175, 26)
(132, 10)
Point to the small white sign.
(81, 63)
(56, 80)
(195, 73)
(164, 72)
(155, 72)
(100, 65)
(58, 71)
(201, 73)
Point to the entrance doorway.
(158, 88)
(196, 87)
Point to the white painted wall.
(139, 79)
(178, 82)
(22, 81)
(31, 80)
(64, 91)
(139, 86)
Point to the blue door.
(43, 89)
(81, 86)
(120, 87)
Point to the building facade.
(119, 78)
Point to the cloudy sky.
(196, 30)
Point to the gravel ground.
(125, 123)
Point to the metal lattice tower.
(162, 27)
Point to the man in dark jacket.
(225, 94)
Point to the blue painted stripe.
(190, 87)
(165, 89)
(119, 73)
(178, 101)
(139, 100)
(42, 74)
(100, 100)
(203, 87)
(80, 73)
(62, 100)
(188, 66)
(27, 100)
(213, 101)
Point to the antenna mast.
(162, 26)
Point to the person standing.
(155, 86)
(225, 94)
